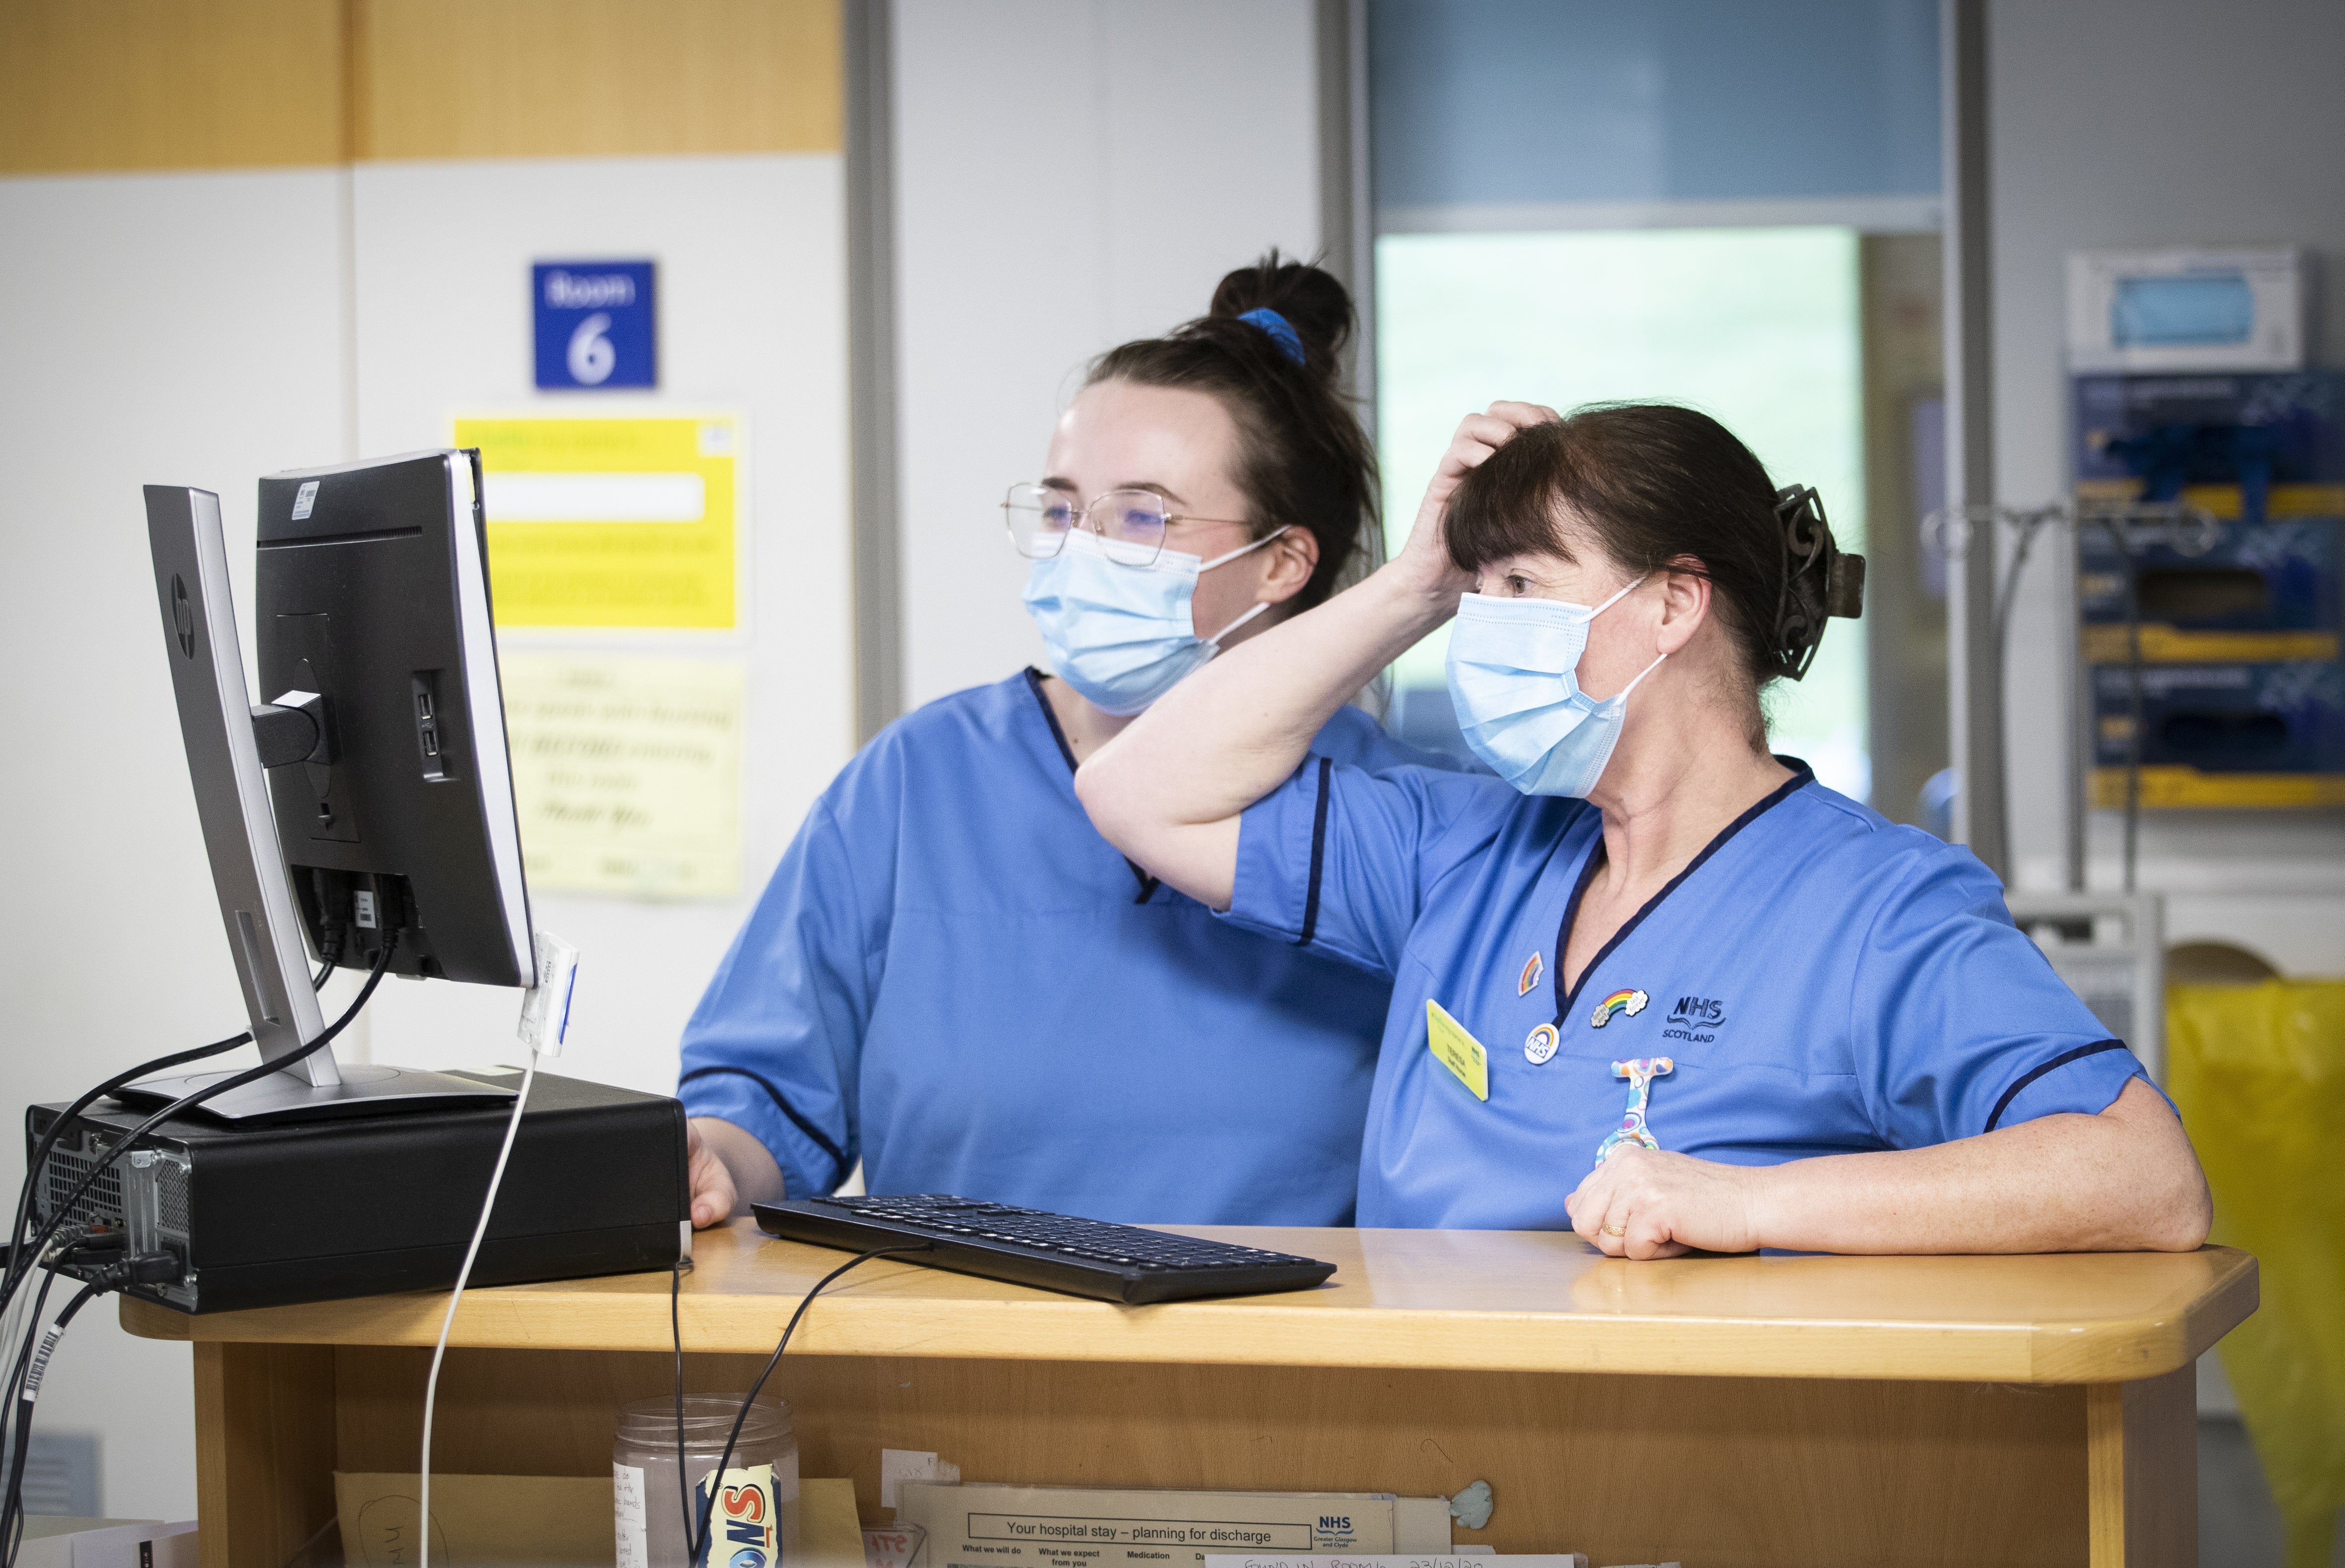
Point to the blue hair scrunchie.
(1279, 330)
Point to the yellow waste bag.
(2258, 1072)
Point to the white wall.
(1073, 173)
(169, 330)
(1069, 174)
(751, 253)
(198, 328)
(2141, 123)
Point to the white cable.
(14, 1331)
(432, 1382)
(16, 1326)
(12, 1322)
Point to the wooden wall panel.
(553, 78)
(87, 86)
(93, 86)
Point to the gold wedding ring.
(1616, 1230)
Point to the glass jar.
(754, 1522)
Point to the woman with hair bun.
(951, 978)
(1652, 984)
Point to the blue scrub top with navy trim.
(954, 979)
(1823, 981)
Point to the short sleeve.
(775, 1045)
(1960, 1024)
(1338, 858)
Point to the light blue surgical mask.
(1121, 636)
(1513, 678)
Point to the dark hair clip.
(1819, 580)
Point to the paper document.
(1398, 1560)
(627, 772)
(1084, 1527)
(610, 522)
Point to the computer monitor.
(382, 743)
(372, 588)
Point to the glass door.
(1703, 202)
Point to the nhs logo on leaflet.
(596, 325)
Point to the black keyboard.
(1055, 1251)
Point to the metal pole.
(1973, 662)
(1346, 199)
(869, 65)
(2082, 747)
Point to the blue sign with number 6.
(596, 325)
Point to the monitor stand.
(283, 1099)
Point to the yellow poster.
(610, 521)
(627, 773)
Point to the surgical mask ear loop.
(1632, 586)
(1640, 676)
(1205, 566)
(1214, 642)
(1622, 695)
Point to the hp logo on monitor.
(183, 615)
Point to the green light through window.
(1756, 326)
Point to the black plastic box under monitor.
(263, 1216)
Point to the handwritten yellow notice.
(627, 773)
(611, 522)
(1456, 1049)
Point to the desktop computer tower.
(263, 1216)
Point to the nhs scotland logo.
(596, 324)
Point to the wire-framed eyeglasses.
(1130, 523)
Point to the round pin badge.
(1540, 1043)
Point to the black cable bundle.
(24, 1387)
(26, 1254)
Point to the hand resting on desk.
(728, 1170)
(2123, 1181)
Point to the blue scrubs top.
(1820, 981)
(953, 978)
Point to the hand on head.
(1425, 556)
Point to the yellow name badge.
(1456, 1049)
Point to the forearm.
(1231, 733)
(2118, 1181)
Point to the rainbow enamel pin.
(1630, 1002)
(1530, 975)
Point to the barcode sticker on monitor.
(305, 499)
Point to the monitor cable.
(56, 1129)
(123, 1145)
(24, 1387)
(697, 1521)
(29, 1365)
(448, 1320)
(26, 1366)
(26, 1309)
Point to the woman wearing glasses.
(952, 977)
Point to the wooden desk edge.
(2102, 1350)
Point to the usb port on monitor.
(424, 686)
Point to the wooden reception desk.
(1776, 1413)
